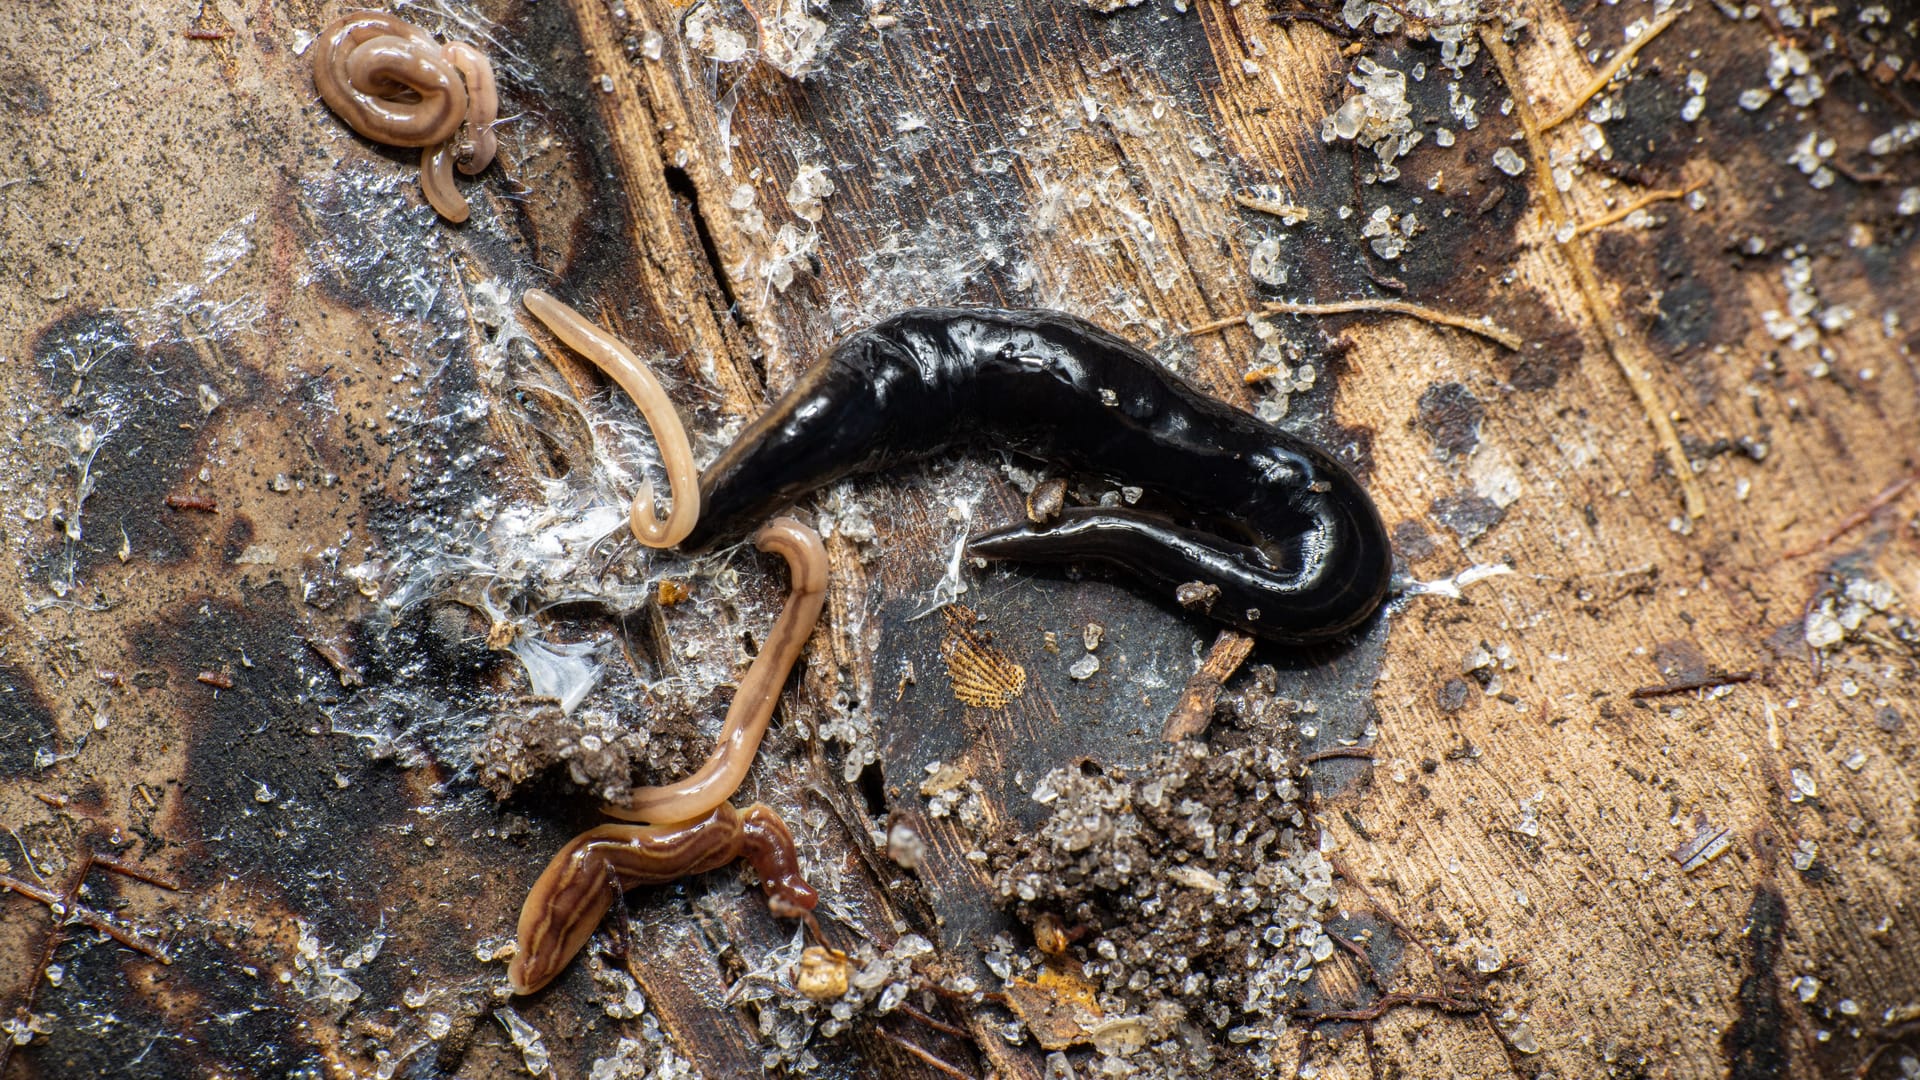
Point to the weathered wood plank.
(216, 293)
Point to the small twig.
(29, 890)
(1481, 327)
(1861, 176)
(923, 1054)
(1859, 517)
(1380, 1008)
(934, 1022)
(1359, 953)
(995, 996)
(1497, 335)
(1314, 17)
(1627, 211)
(71, 911)
(1702, 682)
(1285, 211)
(1194, 711)
(151, 877)
(1340, 752)
(1607, 72)
(1611, 332)
(1406, 934)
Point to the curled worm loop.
(483, 106)
(759, 691)
(610, 356)
(577, 887)
(388, 80)
(1275, 537)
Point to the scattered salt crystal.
(1488, 958)
(533, 1048)
(1822, 630)
(1804, 786)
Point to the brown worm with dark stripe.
(706, 832)
(577, 887)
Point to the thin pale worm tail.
(573, 893)
(676, 453)
(759, 691)
(1060, 389)
(483, 107)
(436, 183)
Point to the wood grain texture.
(214, 291)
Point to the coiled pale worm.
(676, 454)
(363, 64)
(575, 890)
(393, 83)
(1276, 537)
(759, 690)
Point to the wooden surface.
(275, 693)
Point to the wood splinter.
(1194, 711)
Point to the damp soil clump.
(1188, 896)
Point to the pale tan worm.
(610, 356)
(759, 691)
(436, 183)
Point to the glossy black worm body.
(1313, 561)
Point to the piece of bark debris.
(982, 674)
(1195, 708)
